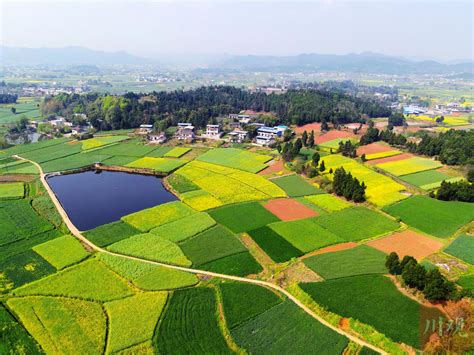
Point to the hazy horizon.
(417, 30)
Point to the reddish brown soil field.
(334, 134)
(373, 148)
(407, 243)
(332, 248)
(316, 127)
(393, 158)
(73, 142)
(273, 167)
(288, 210)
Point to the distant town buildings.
(413, 110)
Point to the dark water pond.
(92, 199)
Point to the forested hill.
(202, 105)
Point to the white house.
(185, 132)
(213, 131)
(58, 122)
(156, 138)
(237, 136)
(266, 135)
(145, 128)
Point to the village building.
(59, 122)
(235, 125)
(266, 135)
(237, 136)
(281, 129)
(145, 129)
(213, 131)
(78, 130)
(156, 138)
(185, 132)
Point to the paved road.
(87, 242)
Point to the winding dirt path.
(92, 246)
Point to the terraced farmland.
(147, 284)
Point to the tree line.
(8, 98)
(433, 285)
(202, 105)
(454, 147)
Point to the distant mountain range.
(362, 63)
(66, 56)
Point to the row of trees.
(456, 191)
(347, 149)
(290, 150)
(454, 147)
(432, 283)
(308, 139)
(375, 135)
(344, 184)
(199, 106)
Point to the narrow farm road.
(83, 239)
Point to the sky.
(416, 29)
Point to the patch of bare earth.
(344, 324)
(373, 148)
(398, 157)
(289, 210)
(334, 134)
(316, 127)
(296, 273)
(407, 243)
(274, 166)
(17, 177)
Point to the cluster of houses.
(185, 131)
(439, 109)
(58, 123)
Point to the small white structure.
(268, 135)
(145, 128)
(213, 131)
(281, 129)
(58, 122)
(264, 141)
(237, 136)
(156, 138)
(185, 132)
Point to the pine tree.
(304, 138)
(406, 259)
(414, 275)
(324, 126)
(311, 139)
(392, 263)
(322, 167)
(297, 147)
(315, 159)
(437, 288)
